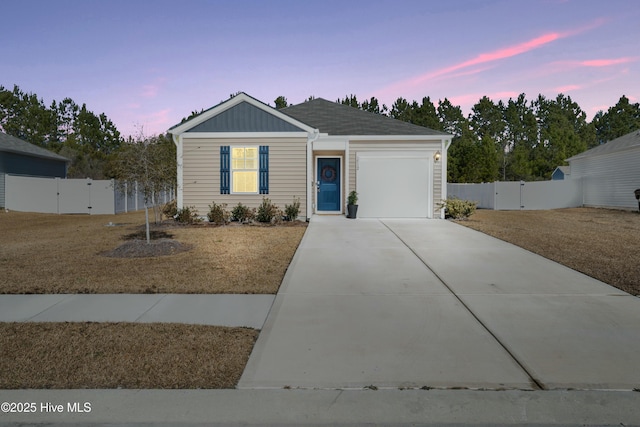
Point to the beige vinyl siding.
(201, 173)
(372, 146)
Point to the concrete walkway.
(221, 310)
(416, 303)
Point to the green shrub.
(170, 209)
(218, 213)
(353, 198)
(457, 209)
(242, 213)
(291, 211)
(267, 211)
(187, 215)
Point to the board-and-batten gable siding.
(381, 146)
(245, 117)
(201, 173)
(609, 180)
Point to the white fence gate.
(521, 195)
(71, 196)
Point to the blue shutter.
(224, 169)
(264, 170)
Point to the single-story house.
(18, 157)
(560, 173)
(610, 172)
(242, 150)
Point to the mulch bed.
(142, 249)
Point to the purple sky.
(150, 63)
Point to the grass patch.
(122, 355)
(45, 254)
(602, 243)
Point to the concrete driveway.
(429, 303)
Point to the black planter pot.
(352, 211)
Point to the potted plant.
(352, 207)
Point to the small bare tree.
(151, 162)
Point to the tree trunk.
(146, 216)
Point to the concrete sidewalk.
(327, 408)
(415, 303)
(220, 310)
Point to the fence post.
(58, 195)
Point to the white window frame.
(232, 169)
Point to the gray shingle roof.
(338, 119)
(624, 142)
(16, 145)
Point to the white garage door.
(394, 185)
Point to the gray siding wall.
(368, 146)
(608, 180)
(201, 173)
(18, 164)
(2, 191)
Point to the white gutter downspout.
(311, 185)
(177, 139)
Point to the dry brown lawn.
(602, 243)
(45, 253)
(123, 355)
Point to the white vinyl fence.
(71, 196)
(521, 195)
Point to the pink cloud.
(151, 90)
(607, 62)
(488, 57)
(567, 88)
(491, 56)
(157, 121)
(471, 72)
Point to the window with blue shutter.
(224, 169)
(264, 169)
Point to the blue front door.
(328, 184)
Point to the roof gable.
(244, 117)
(241, 113)
(12, 144)
(624, 142)
(338, 119)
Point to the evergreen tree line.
(91, 141)
(517, 140)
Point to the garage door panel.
(395, 187)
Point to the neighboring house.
(18, 157)
(243, 150)
(610, 172)
(560, 173)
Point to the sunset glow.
(146, 64)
